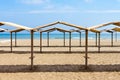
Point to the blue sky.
(85, 13)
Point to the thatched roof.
(64, 23)
(1, 24)
(106, 24)
(107, 30)
(47, 25)
(54, 29)
(15, 25)
(16, 30)
(116, 23)
(72, 25)
(94, 28)
(75, 30)
(117, 29)
(3, 30)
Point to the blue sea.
(56, 36)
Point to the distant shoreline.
(57, 36)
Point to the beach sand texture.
(59, 66)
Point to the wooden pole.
(48, 39)
(116, 37)
(69, 41)
(15, 39)
(96, 39)
(0, 37)
(86, 49)
(40, 41)
(11, 40)
(99, 43)
(32, 33)
(112, 39)
(80, 38)
(64, 38)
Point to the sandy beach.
(59, 66)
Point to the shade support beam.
(99, 43)
(96, 39)
(80, 38)
(32, 65)
(86, 49)
(15, 39)
(112, 39)
(11, 41)
(64, 38)
(48, 36)
(69, 41)
(40, 41)
(116, 37)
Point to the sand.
(59, 66)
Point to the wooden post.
(96, 39)
(86, 49)
(15, 39)
(32, 33)
(99, 43)
(116, 37)
(80, 38)
(40, 41)
(70, 42)
(64, 38)
(48, 39)
(11, 40)
(112, 39)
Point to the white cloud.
(52, 11)
(55, 9)
(49, 7)
(103, 11)
(88, 1)
(118, 0)
(33, 1)
(73, 11)
(67, 7)
(77, 11)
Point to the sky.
(84, 13)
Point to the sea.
(59, 36)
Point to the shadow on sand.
(59, 68)
(56, 52)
